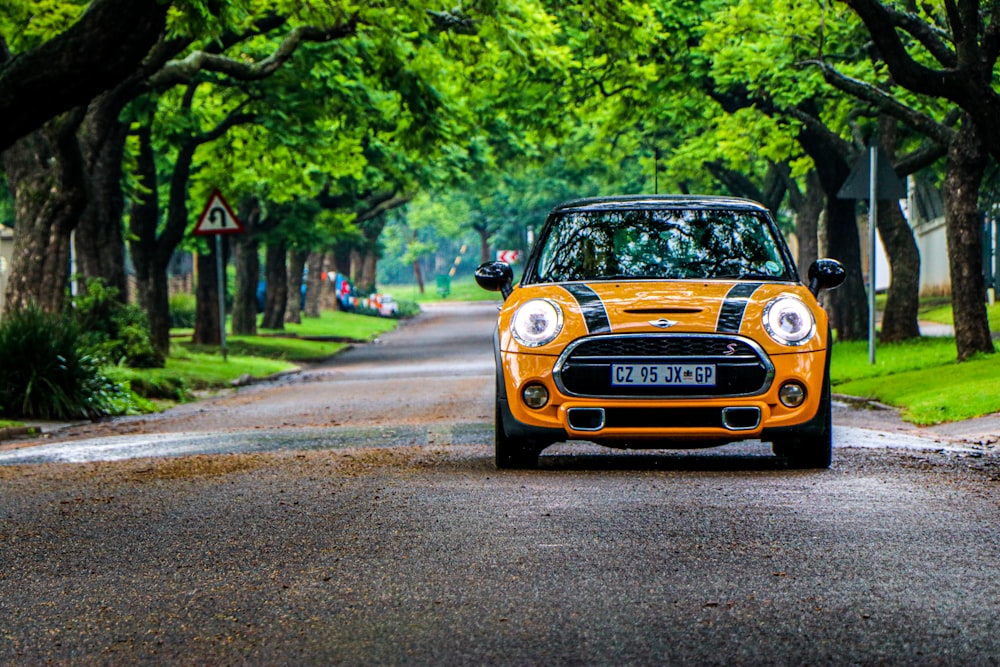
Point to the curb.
(860, 402)
(11, 432)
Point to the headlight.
(789, 321)
(537, 322)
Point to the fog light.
(792, 394)
(535, 396)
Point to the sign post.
(218, 219)
(872, 177)
(872, 240)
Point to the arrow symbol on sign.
(217, 216)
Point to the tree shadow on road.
(750, 455)
(660, 461)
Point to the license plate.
(665, 375)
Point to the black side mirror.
(496, 277)
(825, 274)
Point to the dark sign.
(858, 183)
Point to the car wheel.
(812, 447)
(512, 453)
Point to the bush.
(183, 310)
(112, 331)
(407, 309)
(46, 373)
(165, 387)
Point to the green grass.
(850, 358)
(464, 289)
(920, 377)
(192, 367)
(272, 348)
(935, 311)
(187, 371)
(7, 423)
(338, 324)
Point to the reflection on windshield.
(659, 244)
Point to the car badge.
(662, 323)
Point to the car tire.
(812, 447)
(512, 453)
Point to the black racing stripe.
(592, 308)
(731, 314)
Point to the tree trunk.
(847, 304)
(339, 260)
(899, 320)
(247, 260)
(364, 262)
(100, 242)
(314, 284)
(46, 177)
(355, 270)
(207, 327)
(808, 209)
(296, 267)
(418, 275)
(149, 241)
(967, 160)
(149, 261)
(902, 306)
(276, 275)
(328, 299)
(369, 266)
(484, 244)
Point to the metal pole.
(656, 171)
(996, 259)
(872, 226)
(3, 275)
(222, 294)
(72, 263)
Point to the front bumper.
(647, 420)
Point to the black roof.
(639, 202)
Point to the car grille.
(742, 368)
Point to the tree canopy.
(335, 122)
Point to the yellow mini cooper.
(662, 322)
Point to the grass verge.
(191, 368)
(464, 289)
(921, 377)
(938, 311)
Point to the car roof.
(639, 202)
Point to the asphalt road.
(356, 518)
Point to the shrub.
(183, 310)
(166, 387)
(407, 308)
(112, 331)
(46, 373)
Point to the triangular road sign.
(889, 185)
(218, 218)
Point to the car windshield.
(659, 244)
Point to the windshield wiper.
(750, 276)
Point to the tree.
(833, 131)
(69, 69)
(961, 38)
(45, 174)
(246, 252)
